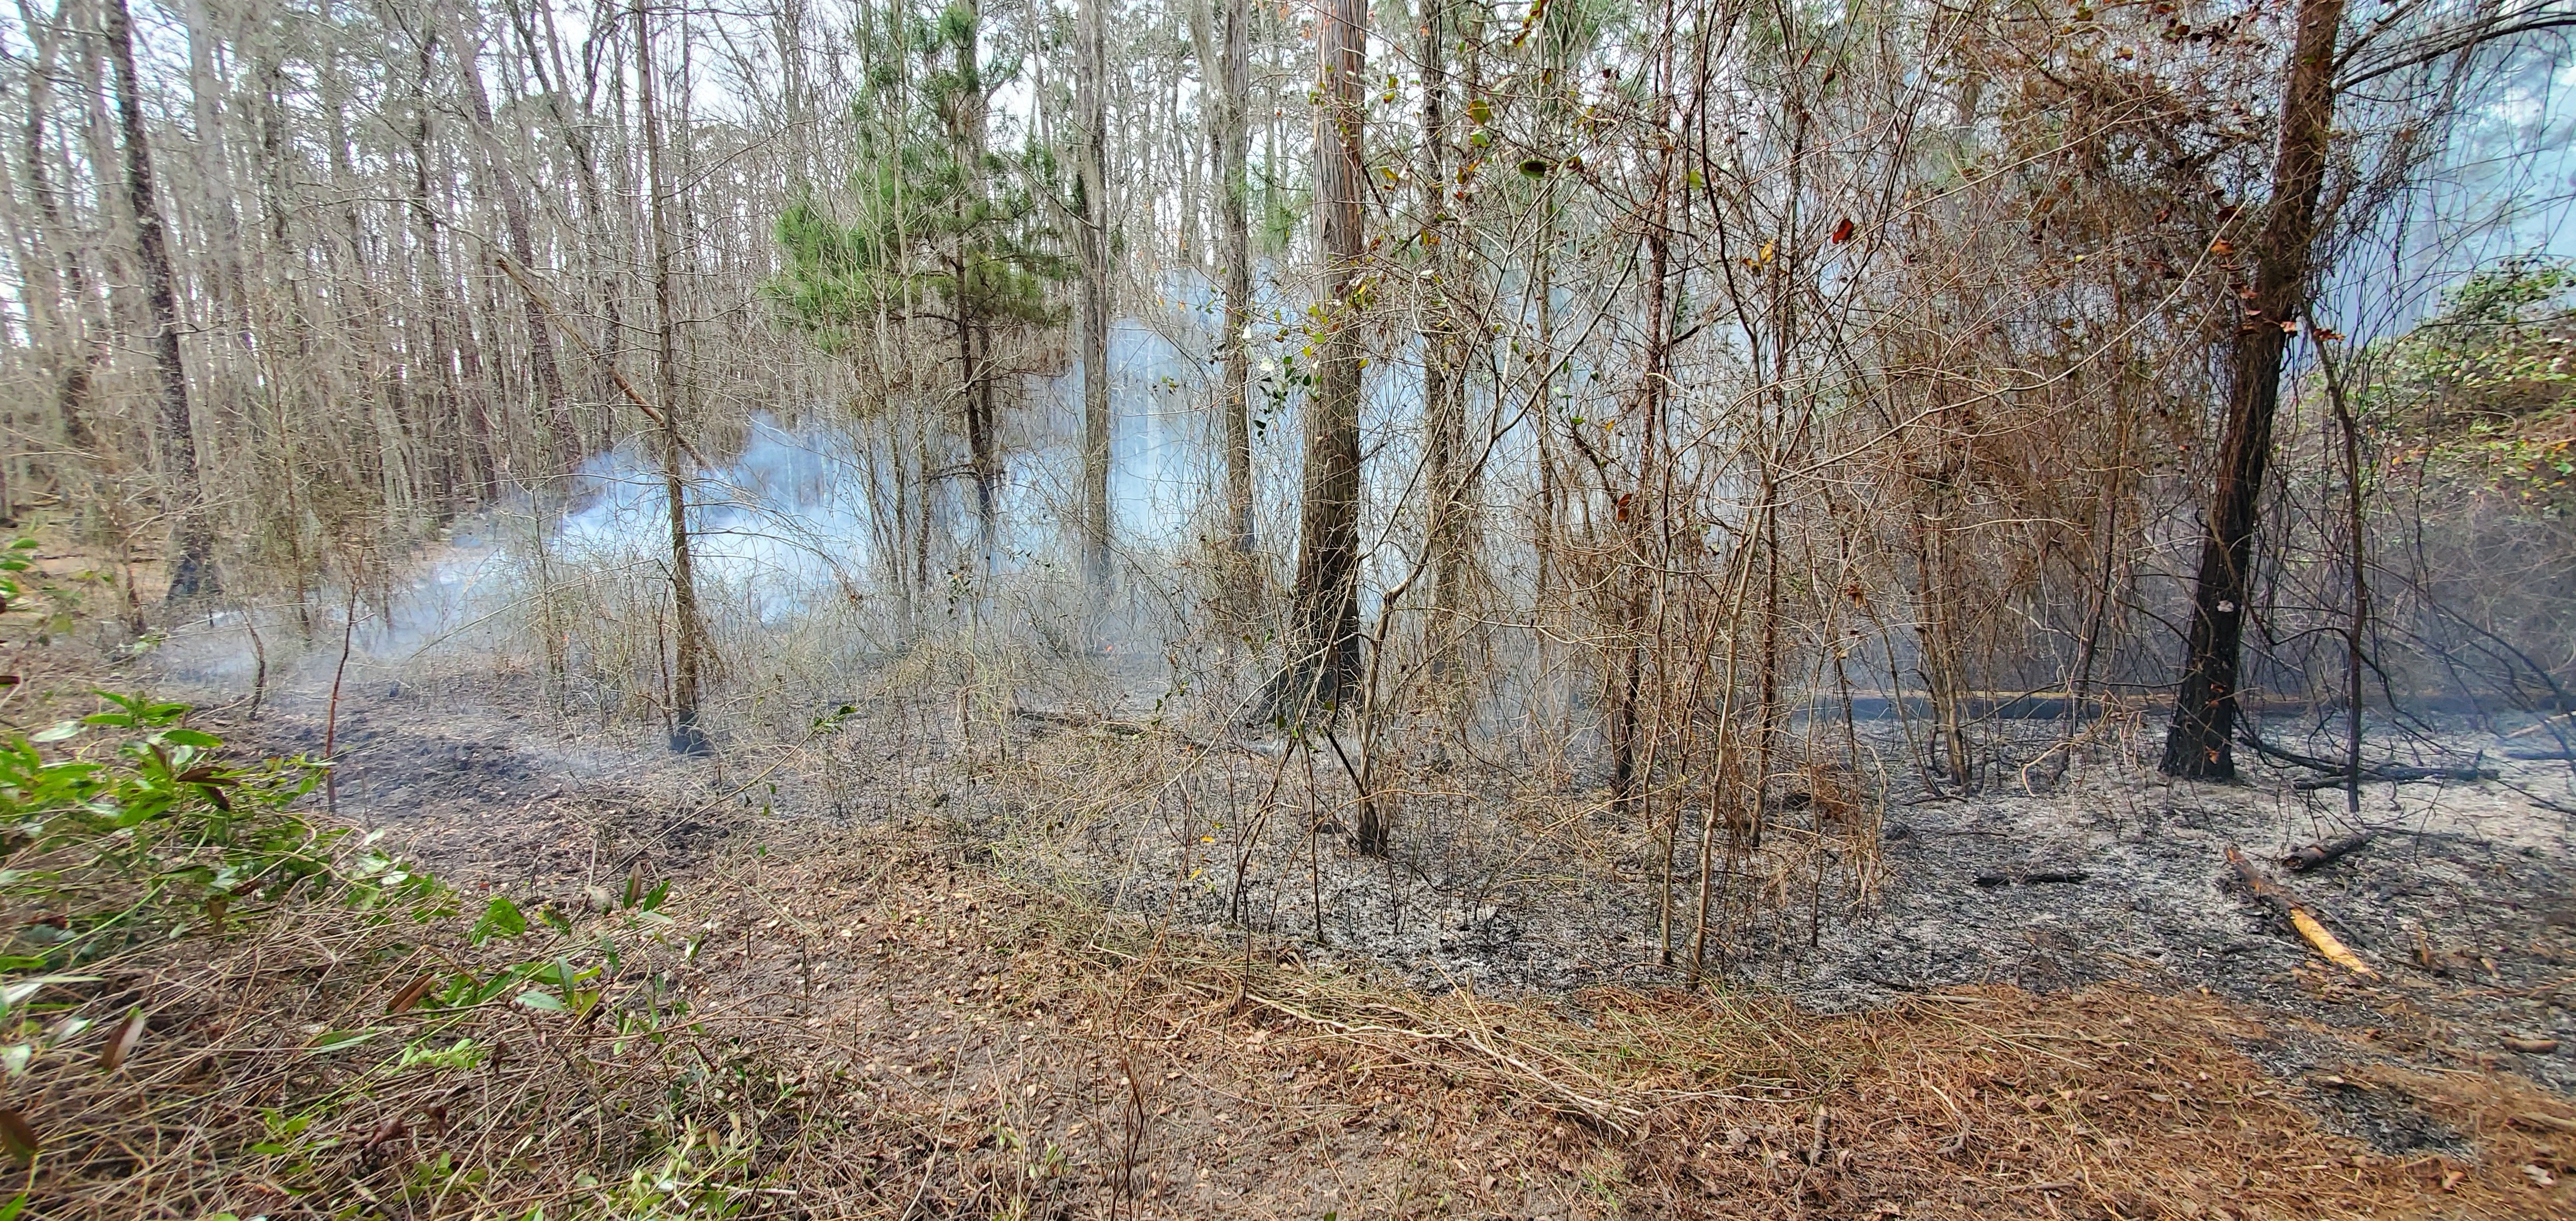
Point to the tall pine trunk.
(192, 536)
(2198, 745)
(1324, 628)
(1091, 239)
(1234, 139)
(690, 633)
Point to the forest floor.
(960, 1036)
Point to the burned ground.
(970, 1012)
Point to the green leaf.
(501, 918)
(339, 1040)
(18, 992)
(60, 731)
(541, 1000)
(191, 737)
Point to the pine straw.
(888, 1031)
(1981, 1103)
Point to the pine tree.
(948, 230)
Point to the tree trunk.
(1233, 149)
(2198, 745)
(1324, 631)
(553, 421)
(61, 302)
(215, 176)
(686, 737)
(1444, 414)
(1091, 239)
(1637, 514)
(192, 536)
(982, 450)
(966, 106)
(475, 466)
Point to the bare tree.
(2199, 745)
(689, 631)
(191, 531)
(1324, 629)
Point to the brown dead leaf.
(411, 994)
(18, 1135)
(390, 1129)
(121, 1041)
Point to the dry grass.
(877, 1023)
(877, 1027)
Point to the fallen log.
(2541, 724)
(2318, 856)
(2393, 775)
(1076, 720)
(2325, 943)
(2337, 775)
(2038, 877)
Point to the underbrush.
(216, 1004)
(220, 1003)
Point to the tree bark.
(1234, 138)
(686, 737)
(1091, 239)
(553, 421)
(1444, 415)
(58, 302)
(192, 537)
(215, 176)
(1324, 629)
(2198, 744)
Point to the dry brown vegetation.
(876, 1028)
(1064, 553)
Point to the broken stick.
(2318, 856)
(2325, 943)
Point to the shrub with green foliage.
(2482, 396)
(153, 837)
(208, 994)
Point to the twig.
(581, 341)
(331, 718)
